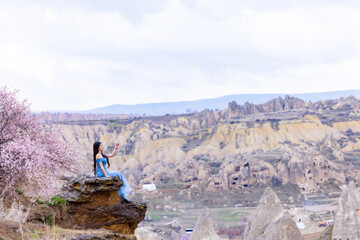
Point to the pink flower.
(28, 154)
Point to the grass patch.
(54, 201)
(47, 220)
(225, 215)
(155, 217)
(158, 215)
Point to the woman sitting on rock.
(100, 169)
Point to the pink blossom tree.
(29, 155)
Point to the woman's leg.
(125, 190)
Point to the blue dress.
(125, 190)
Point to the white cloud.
(80, 55)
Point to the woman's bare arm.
(115, 149)
(103, 169)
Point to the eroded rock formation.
(147, 233)
(283, 141)
(290, 103)
(274, 105)
(347, 219)
(271, 221)
(204, 228)
(284, 229)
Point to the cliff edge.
(94, 203)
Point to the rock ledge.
(94, 203)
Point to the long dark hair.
(96, 151)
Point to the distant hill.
(214, 103)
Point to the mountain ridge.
(180, 107)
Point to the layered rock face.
(276, 143)
(347, 219)
(204, 228)
(94, 203)
(271, 221)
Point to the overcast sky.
(77, 55)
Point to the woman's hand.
(115, 149)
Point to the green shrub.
(54, 201)
(18, 190)
(48, 220)
(57, 201)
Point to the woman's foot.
(125, 200)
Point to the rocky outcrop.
(274, 105)
(309, 169)
(204, 228)
(147, 233)
(167, 231)
(347, 219)
(271, 221)
(268, 211)
(284, 229)
(177, 230)
(288, 104)
(94, 203)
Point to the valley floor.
(230, 221)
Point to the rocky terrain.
(88, 208)
(226, 158)
(347, 219)
(282, 142)
(271, 221)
